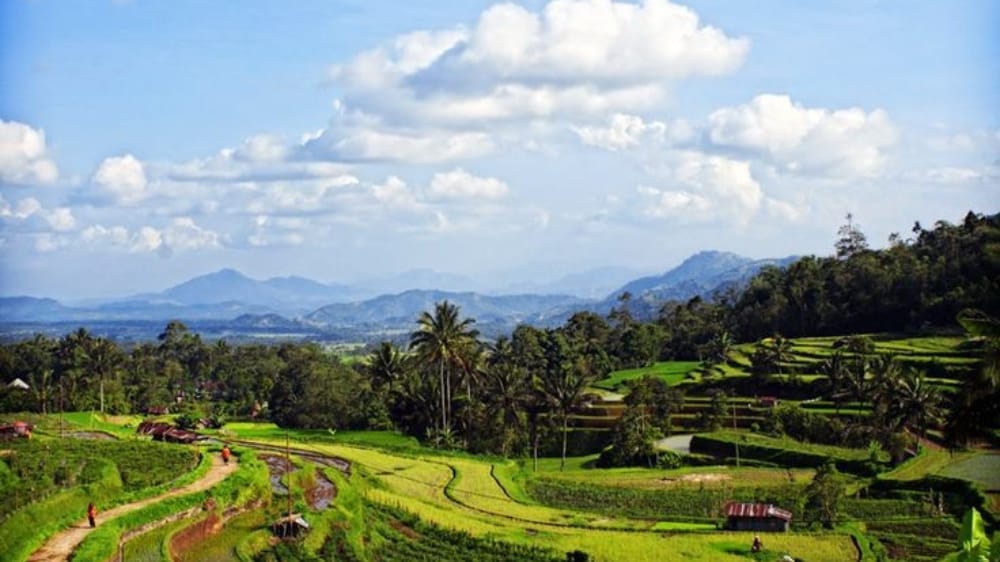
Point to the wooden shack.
(16, 430)
(757, 517)
(161, 431)
(290, 526)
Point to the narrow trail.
(61, 545)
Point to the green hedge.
(694, 505)
(27, 529)
(785, 453)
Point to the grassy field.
(983, 469)
(465, 494)
(688, 477)
(673, 372)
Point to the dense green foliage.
(35, 469)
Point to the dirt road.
(60, 546)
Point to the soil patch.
(191, 535)
(404, 529)
(97, 435)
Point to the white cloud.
(951, 175)
(148, 239)
(123, 179)
(48, 242)
(24, 155)
(277, 231)
(395, 193)
(785, 210)
(459, 184)
(627, 131)
(22, 210)
(849, 142)
(704, 187)
(593, 56)
(598, 40)
(405, 146)
(181, 234)
(115, 235)
(61, 219)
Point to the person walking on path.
(92, 514)
(225, 454)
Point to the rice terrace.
(499, 281)
(601, 439)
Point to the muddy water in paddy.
(322, 494)
(277, 467)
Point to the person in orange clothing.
(92, 514)
(225, 454)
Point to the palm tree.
(915, 404)
(441, 339)
(883, 373)
(506, 386)
(836, 372)
(104, 360)
(564, 383)
(386, 365)
(780, 350)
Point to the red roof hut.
(756, 517)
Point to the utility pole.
(288, 474)
(60, 408)
(737, 441)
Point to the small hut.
(290, 527)
(757, 517)
(15, 430)
(161, 431)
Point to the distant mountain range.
(227, 303)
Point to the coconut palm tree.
(440, 340)
(104, 360)
(563, 382)
(506, 386)
(386, 365)
(914, 404)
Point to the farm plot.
(436, 490)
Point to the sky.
(146, 142)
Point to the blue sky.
(145, 142)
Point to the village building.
(756, 517)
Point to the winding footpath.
(61, 545)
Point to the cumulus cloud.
(181, 234)
(29, 209)
(395, 193)
(24, 156)
(23, 209)
(261, 157)
(625, 132)
(115, 235)
(849, 142)
(574, 56)
(459, 184)
(277, 231)
(122, 179)
(703, 187)
(61, 219)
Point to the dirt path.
(60, 546)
